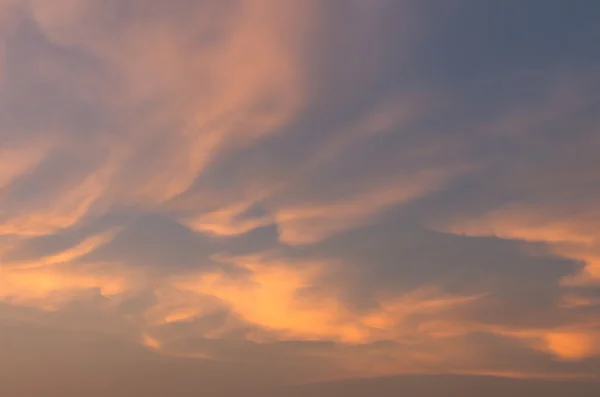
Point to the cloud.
(219, 105)
(313, 223)
(573, 345)
(283, 297)
(18, 161)
(49, 289)
(320, 189)
(86, 246)
(305, 208)
(568, 232)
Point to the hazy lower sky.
(305, 198)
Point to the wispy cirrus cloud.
(320, 189)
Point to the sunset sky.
(317, 198)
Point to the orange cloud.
(225, 221)
(529, 223)
(50, 282)
(209, 99)
(274, 297)
(571, 234)
(301, 223)
(573, 345)
(85, 247)
(573, 300)
(62, 210)
(15, 162)
(151, 342)
(590, 273)
(570, 343)
(50, 288)
(304, 224)
(269, 298)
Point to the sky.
(306, 198)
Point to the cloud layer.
(323, 190)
